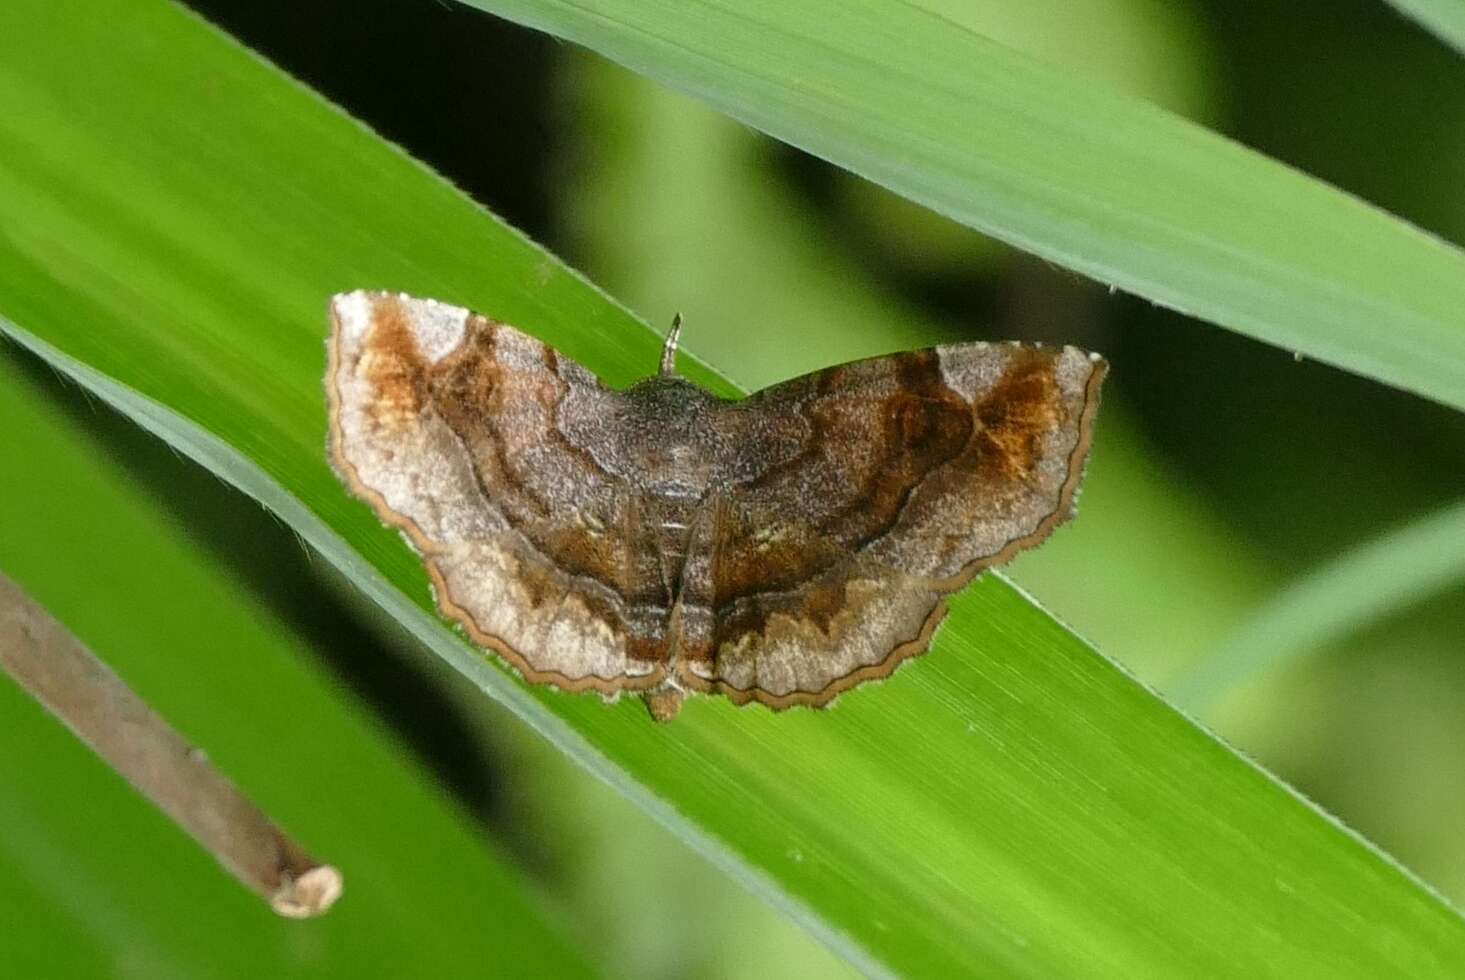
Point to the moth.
(664, 541)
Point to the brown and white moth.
(662, 540)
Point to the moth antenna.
(669, 349)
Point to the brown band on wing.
(926, 425)
(922, 425)
(908, 649)
(468, 391)
(608, 686)
(818, 602)
(471, 390)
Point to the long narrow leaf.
(1444, 18)
(1110, 186)
(1371, 581)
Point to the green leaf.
(174, 218)
(1367, 583)
(1444, 18)
(94, 880)
(910, 96)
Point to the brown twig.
(64, 676)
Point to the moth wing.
(445, 422)
(895, 481)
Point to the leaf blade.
(1114, 188)
(1368, 582)
(1443, 18)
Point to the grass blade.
(1443, 18)
(1364, 585)
(1109, 186)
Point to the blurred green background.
(1224, 470)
